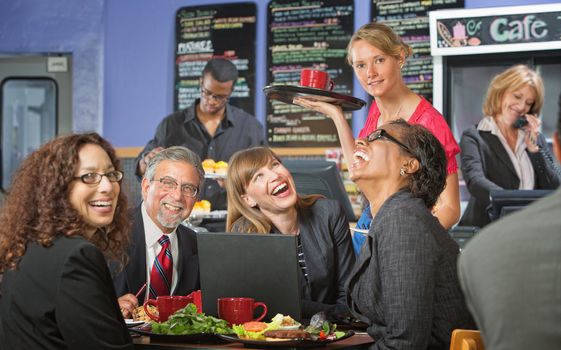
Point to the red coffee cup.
(239, 310)
(316, 79)
(166, 305)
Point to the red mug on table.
(239, 310)
(317, 79)
(167, 305)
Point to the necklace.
(384, 120)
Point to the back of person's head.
(176, 154)
(38, 207)
(221, 70)
(430, 179)
(512, 79)
(382, 37)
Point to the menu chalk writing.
(215, 31)
(409, 19)
(306, 34)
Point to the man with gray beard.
(163, 253)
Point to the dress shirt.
(518, 157)
(153, 248)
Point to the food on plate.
(287, 334)
(318, 330)
(221, 168)
(202, 206)
(208, 166)
(139, 314)
(188, 321)
(286, 322)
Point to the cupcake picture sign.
(489, 30)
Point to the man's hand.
(144, 161)
(127, 303)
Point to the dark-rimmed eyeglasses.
(208, 94)
(95, 178)
(169, 185)
(381, 133)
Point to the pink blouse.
(426, 115)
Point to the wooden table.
(358, 341)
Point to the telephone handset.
(520, 122)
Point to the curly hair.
(38, 208)
(243, 165)
(430, 179)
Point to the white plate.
(214, 176)
(359, 230)
(131, 323)
(215, 214)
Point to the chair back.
(466, 339)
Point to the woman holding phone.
(64, 215)
(505, 150)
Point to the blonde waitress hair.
(382, 37)
(512, 79)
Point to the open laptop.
(260, 266)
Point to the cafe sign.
(495, 29)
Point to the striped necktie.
(162, 270)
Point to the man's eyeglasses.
(95, 178)
(208, 94)
(381, 133)
(170, 185)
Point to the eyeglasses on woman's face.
(381, 133)
(95, 178)
(169, 185)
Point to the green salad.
(188, 321)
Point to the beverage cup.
(239, 310)
(317, 79)
(167, 305)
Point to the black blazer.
(61, 297)
(133, 276)
(486, 166)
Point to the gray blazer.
(404, 284)
(486, 166)
(511, 276)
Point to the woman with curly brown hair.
(404, 284)
(64, 215)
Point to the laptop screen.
(260, 266)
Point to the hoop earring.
(402, 172)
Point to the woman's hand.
(332, 111)
(127, 303)
(531, 131)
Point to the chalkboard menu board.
(306, 34)
(410, 20)
(205, 32)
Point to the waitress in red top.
(377, 55)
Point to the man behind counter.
(210, 127)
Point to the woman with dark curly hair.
(64, 215)
(404, 284)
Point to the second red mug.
(239, 310)
(316, 79)
(167, 305)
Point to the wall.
(63, 26)
(123, 56)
